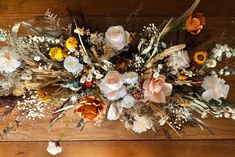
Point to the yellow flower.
(182, 77)
(200, 57)
(71, 43)
(56, 54)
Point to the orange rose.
(91, 108)
(195, 23)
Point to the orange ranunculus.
(91, 108)
(195, 23)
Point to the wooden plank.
(213, 8)
(220, 148)
(111, 130)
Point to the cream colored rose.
(112, 86)
(117, 37)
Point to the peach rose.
(91, 108)
(156, 90)
(112, 86)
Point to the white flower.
(54, 148)
(130, 78)
(215, 88)
(211, 63)
(179, 60)
(37, 58)
(71, 64)
(128, 101)
(8, 60)
(114, 112)
(141, 124)
(117, 37)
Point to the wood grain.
(198, 148)
(213, 8)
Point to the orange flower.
(91, 108)
(200, 57)
(71, 43)
(195, 23)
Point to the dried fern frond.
(52, 19)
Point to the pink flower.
(156, 90)
(112, 86)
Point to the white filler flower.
(8, 60)
(141, 124)
(71, 64)
(54, 148)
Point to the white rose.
(71, 64)
(117, 37)
(215, 88)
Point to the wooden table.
(112, 139)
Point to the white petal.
(114, 112)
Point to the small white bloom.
(117, 37)
(141, 124)
(130, 78)
(179, 60)
(8, 60)
(211, 63)
(98, 75)
(74, 98)
(54, 148)
(215, 88)
(128, 101)
(83, 80)
(114, 112)
(162, 121)
(71, 64)
(37, 58)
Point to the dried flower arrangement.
(141, 79)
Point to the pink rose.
(156, 90)
(112, 86)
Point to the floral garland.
(143, 79)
